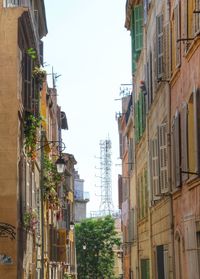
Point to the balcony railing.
(16, 3)
(80, 195)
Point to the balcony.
(81, 196)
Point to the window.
(191, 236)
(162, 265)
(145, 269)
(176, 150)
(150, 80)
(197, 16)
(159, 161)
(142, 194)
(178, 256)
(136, 34)
(140, 117)
(154, 166)
(130, 154)
(194, 134)
(159, 47)
(27, 82)
(163, 157)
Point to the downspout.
(42, 202)
(170, 158)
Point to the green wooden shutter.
(133, 43)
(138, 20)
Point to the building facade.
(165, 190)
(81, 198)
(36, 202)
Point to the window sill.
(193, 47)
(175, 76)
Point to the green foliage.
(51, 180)
(30, 220)
(30, 133)
(99, 237)
(32, 53)
(39, 74)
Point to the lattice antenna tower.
(106, 204)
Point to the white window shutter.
(163, 158)
(155, 167)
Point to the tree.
(95, 240)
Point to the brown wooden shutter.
(196, 95)
(177, 33)
(163, 157)
(177, 149)
(166, 50)
(184, 141)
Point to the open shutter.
(177, 149)
(163, 157)
(166, 52)
(177, 33)
(197, 127)
(138, 24)
(133, 43)
(191, 247)
(197, 17)
(184, 141)
(155, 167)
(159, 40)
(140, 116)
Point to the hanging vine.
(32, 123)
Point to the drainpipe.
(170, 160)
(42, 203)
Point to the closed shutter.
(159, 47)
(184, 141)
(163, 157)
(191, 247)
(145, 269)
(155, 167)
(138, 24)
(177, 33)
(197, 127)
(177, 149)
(166, 50)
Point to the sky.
(89, 47)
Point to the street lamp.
(60, 164)
(71, 225)
(84, 246)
